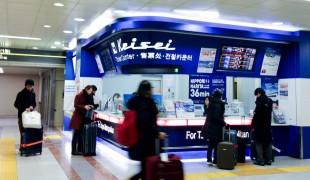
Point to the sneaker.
(75, 153)
(259, 163)
(214, 163)
(209, 162)
(268, 163)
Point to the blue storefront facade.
(173, 46)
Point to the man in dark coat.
(261, 127)
(146, 111)
(82, 103)
(216, 110)
(25, 101)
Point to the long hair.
(145, 89)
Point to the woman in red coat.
(82, 103)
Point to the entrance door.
(48, 98)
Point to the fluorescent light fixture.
(53, 47)
(210, 14)
(57, 43)
(1, 70)
(67, 31)
(58, 4)
(277, 23)
(47, 26)
(79, 19)
(35, 48)
(103, 20)
(119, 11)
(185, 11)
(20, 37)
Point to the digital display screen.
(237, 58)
(106, 59)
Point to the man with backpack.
(261, 128)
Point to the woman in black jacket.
(216, 123)
(261, 127)
(146, 111)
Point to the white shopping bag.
(31, 119)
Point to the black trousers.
(264, 151)
(77, 140)
(212, 146)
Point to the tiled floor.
(56, 162)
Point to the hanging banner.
(206, 60)
(271, 62)
(270, 85)
(201, 86)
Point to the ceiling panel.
(197, 5)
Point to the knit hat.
(29, 82)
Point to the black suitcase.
(89, 136)
(31, 141)
(226, 152)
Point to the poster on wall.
(270, 85)
(201, 86)
(206, 60)
(271, 62)
(283, 89)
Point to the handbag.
(31, 119)
(89, 114)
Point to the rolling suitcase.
(156, 169)
(89, 140)
(31, 141)
(226, 154)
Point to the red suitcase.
(158, 170)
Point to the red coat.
(78, 114)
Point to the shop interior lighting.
(57, 43)
(53, 47)
(47, 26)
(210, 14)
(20, 37)
(277, 23)
(35, 48)
(119, 11)
(1, 70)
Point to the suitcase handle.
(157, 145)
(224, 133)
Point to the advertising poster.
(284, 89)
(201, 86)
(270, 85)
(271, 62)
(206, 60)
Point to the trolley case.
(226, 153)
(31, 142)
(89, 135)
(157, 169)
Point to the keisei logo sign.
(120, 46)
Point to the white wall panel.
(288, 103)
(303, 98)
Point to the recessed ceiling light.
(53, 47)
(277, 23)
(57, 43)
(20, 37)
(35, 48)
(67, 32)
(47, 26)
(119, 11)
(1, 70)
(58, 4)
(79, 19)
